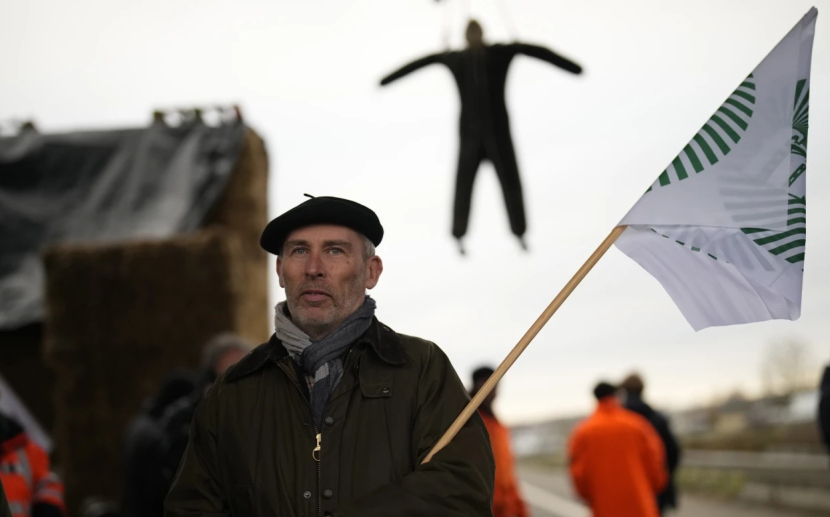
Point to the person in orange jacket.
(32, 490)
(617, 461)
(507, 501)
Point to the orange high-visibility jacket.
(507, 501)
(617, 462)
(25, 474)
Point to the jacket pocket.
(242, 502)
(375, 382)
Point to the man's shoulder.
(253, 361)
(415, 344)
(592, 421)
(636, 422)
(584, 429)
(620, 419)
(638, 405)
(414, 348)
(656, 418)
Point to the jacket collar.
(256, 359)
(384, 341)
(607, 404)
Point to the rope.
(447, 19)
(507, 20)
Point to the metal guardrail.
(778, 468)
(756, 460)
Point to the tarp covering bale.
(102, 186)
(121, 310)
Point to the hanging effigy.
(480, 72)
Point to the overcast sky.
(306, 74)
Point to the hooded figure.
(480, 71)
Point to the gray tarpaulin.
(101, 186)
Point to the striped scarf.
(322, 359)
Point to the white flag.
(723, 228)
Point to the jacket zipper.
(319, 476)
(315, 453)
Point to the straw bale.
(119, 317)
(243, 209)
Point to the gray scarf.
(322, 359)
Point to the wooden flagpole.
(514, 354)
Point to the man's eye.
(298, 251)
(336, 251)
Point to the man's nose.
(314, 265)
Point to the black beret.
(321, 210)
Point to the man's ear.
(373, 270)
(279, 272)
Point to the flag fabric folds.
(723, 228)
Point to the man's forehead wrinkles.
(337, 242)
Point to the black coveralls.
(480, 74)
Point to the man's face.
(325, 276)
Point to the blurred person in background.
(824, 408)
(31, 488)
(507, 501)
(142, 447)
(218, 354)
(632, 390)
(617, 463)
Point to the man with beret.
(334, 414)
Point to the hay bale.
(243, 209)
(119, 317)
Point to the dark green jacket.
(252, 439)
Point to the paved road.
(549, 494)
